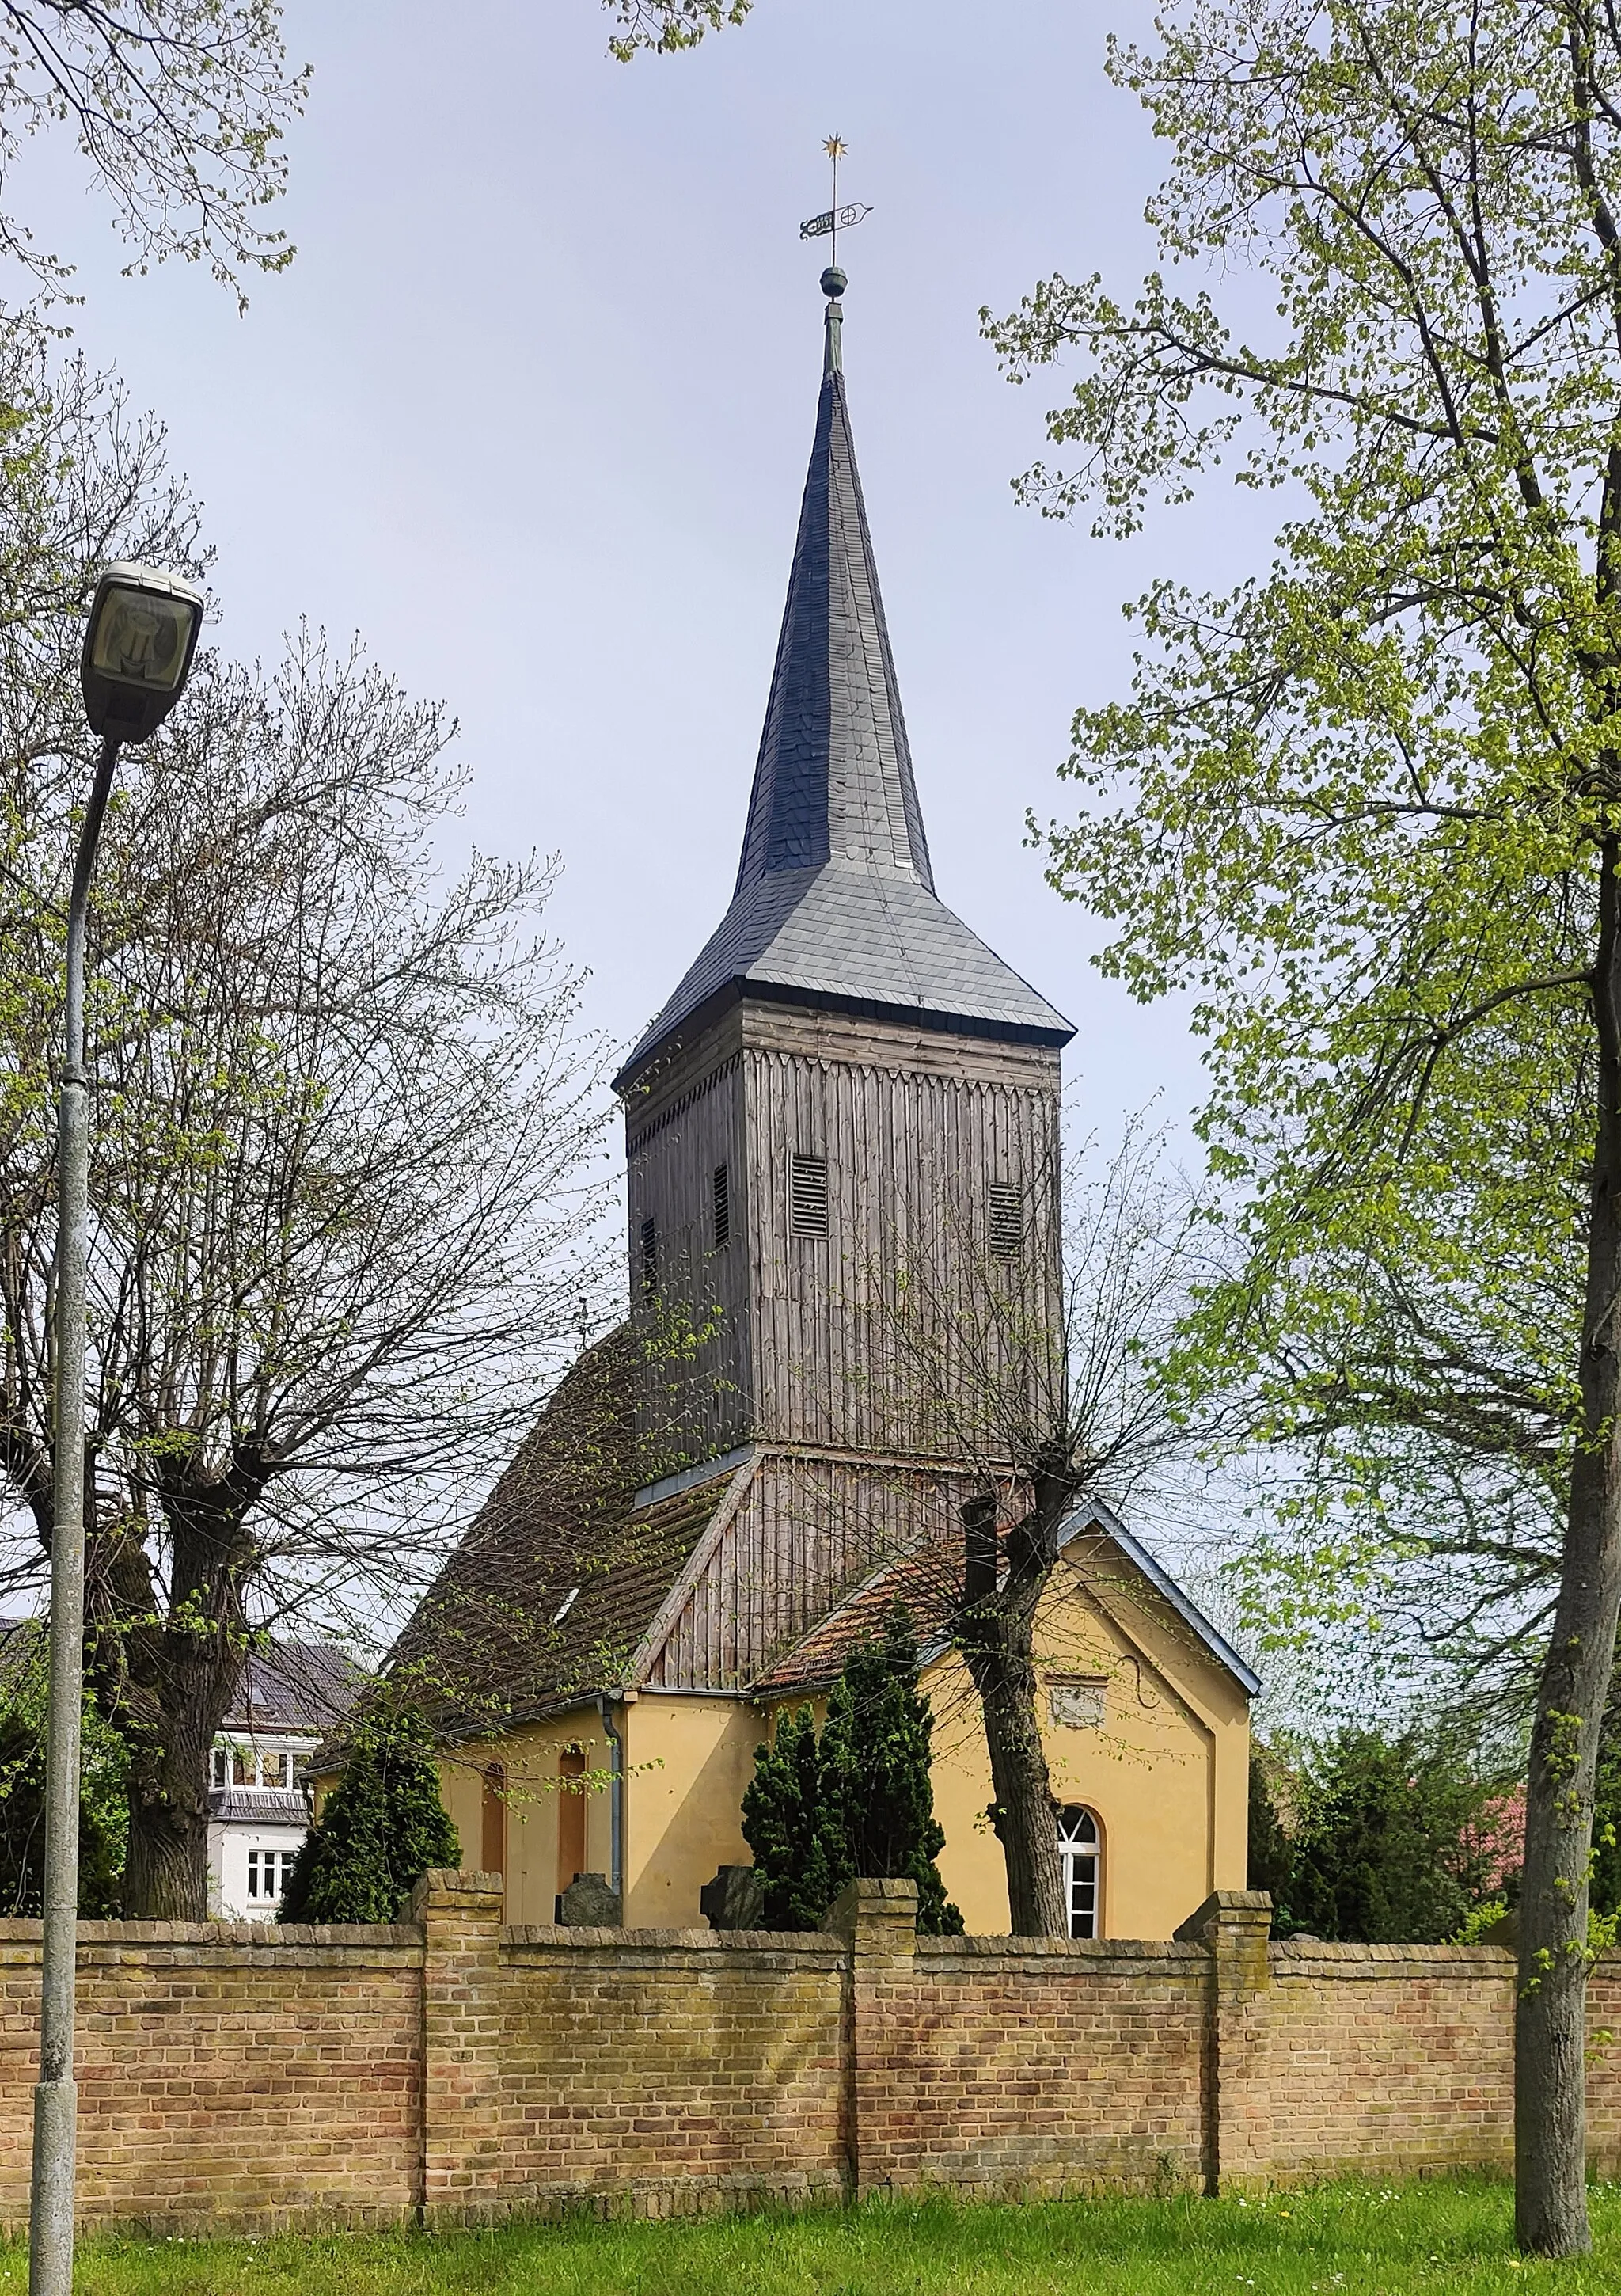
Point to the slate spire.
(834, 904)
(834, 773)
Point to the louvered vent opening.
(807, 1195)
(649, 1258)
(1007, 1219)
(723, 1206)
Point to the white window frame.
(1080, 1849)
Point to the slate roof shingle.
(835, 901)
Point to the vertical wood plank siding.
(805, 1343)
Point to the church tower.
(841, 1133)
(847, 1085)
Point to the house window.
(807, 1195)
(242, 1766)
(722, 1186)
(267, 1872)
(649, 1258)
(274, 1770)
(222, 1767)
(1079, 1850)
(1007, 1219)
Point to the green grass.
(1449, 2238)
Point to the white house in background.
(259, 1811)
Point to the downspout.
(616, 1800)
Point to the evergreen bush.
(382, 1827)
(103, 1818)
(1389, 1844)
(859, 1801)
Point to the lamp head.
(138, 649)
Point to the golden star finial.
(837, 148)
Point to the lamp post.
(138, 650)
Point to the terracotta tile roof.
(924, 1581)
(546, 1598)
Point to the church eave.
(697, 1023)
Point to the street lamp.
(138, 650)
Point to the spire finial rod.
(833, 281)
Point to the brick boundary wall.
(450, 2070)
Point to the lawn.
(1451, 2238)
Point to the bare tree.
(340, 1115)
(1034, 1363)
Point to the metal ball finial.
(833, 281)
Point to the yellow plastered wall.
(531, 1759)
(1165, 1770)
(688, 1761)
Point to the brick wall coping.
(1291, 1958)
(1169, 1952)
(270, 1937)
(815, 1945)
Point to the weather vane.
(836, 219)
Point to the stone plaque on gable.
(1077, 1701)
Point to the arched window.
(1079, 1849)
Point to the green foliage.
(1356, 808)
(667, 27)
(798, 1842)
(1604, 1885)
(1271, 1851)
(875, 1772)
(859, 1802)
(1388, 1845)
(382, 1827)
(103, 1815)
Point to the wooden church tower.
(847, 1085)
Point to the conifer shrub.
(1389, 1842)
(858, 1801)
(799, 1844)
(104, 1818)
(382, 1826)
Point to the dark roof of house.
(294, 1687)
(925, 1581)
(543, 1604)
(835, 901)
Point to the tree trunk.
(165, 1871)
(1549, 2036)
(997, 1628)
(166, 1674)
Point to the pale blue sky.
(532, 408)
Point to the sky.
(531, 409)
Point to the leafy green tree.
(1366, 810)
(860, 1800)
(103, 1815)
(1387, 1851)
(178, 111)
(667, 27)
(382, 1827)
(874, 1774)
(1272, 1855)
(798, 1840)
